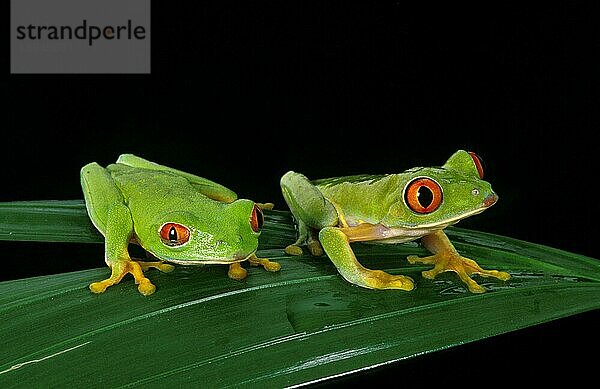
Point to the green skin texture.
(337, 211)
(129, 201)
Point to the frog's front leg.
(119, 228)
(337, 246)
(446, 258)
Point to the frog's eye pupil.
(423, 195)
(174, 234)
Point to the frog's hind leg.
(205, 186)
(311, 210)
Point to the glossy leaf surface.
(300, 325)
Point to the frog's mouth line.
(208, 260)
(447, 222)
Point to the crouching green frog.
(393, 208)
(175, 216)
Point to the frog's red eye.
(478, 163)
(257, 218)
(423, 195)
(173, 234)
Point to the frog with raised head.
(175, 216)
(392, 208)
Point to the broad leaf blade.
(302, 324)
(47, 221)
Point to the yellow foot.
(163, 267)
(378, 279)
(315, 248)
(236, 271)
(118, 270)
(267, 206)
(264, 262)
(462, 266)
(293, 249)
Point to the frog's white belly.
(384, 234)
(400, 235)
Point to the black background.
(243, 93)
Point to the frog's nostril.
(490, 200)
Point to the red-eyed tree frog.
(392, 208)
(175, 216)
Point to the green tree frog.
(392, 208)
(175, 216)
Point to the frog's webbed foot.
(118, 270)
(446, 258)
(253, 260)
(463, 267)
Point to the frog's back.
(145, 189)
(358, 180)
(365, 196)
(134, 180)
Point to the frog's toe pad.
(293, 250)
(237, 272)
(146, 287)
(265, 263)
(165, 267)
(501, 275)
(272, 266)
(474, 287)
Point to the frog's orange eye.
(173, 234)
(478, 163)
(423, 195)
(257, 219)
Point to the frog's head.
(436, 197)
(221, 233)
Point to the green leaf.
(47, 221)
(300, 325)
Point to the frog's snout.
(490, 200)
